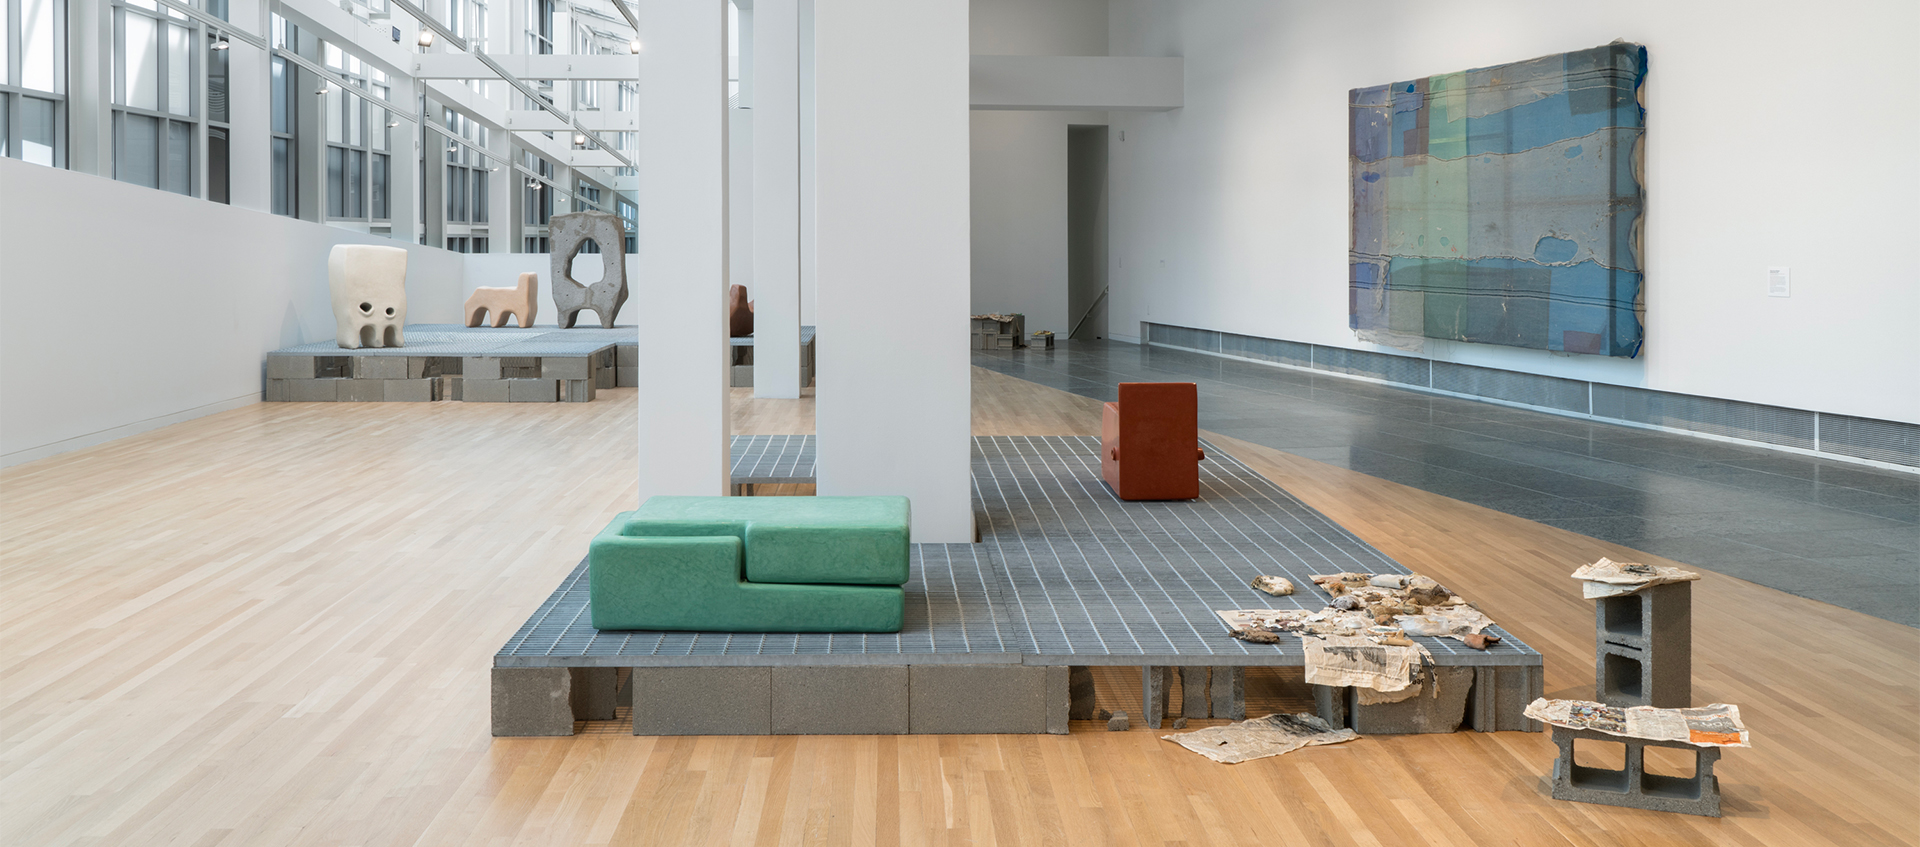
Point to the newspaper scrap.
(1717, 725)
(1608, 578)
(1357, 661)
(1258, 738)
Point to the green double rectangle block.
(753, 564)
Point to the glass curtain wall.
(33, 81)
(359, 136)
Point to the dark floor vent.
(1868, 438)
(1840, 435)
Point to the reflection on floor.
(1836, 532)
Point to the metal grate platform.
(1067, 574)
(772, 459)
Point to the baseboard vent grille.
(1841, 435)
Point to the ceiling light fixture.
(221, 44)
(533, 183)
(579, 140)
(426, 38)
(633, 46)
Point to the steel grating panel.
(1097, 580)
(1567, 395)
(1066, 574)
(1731, 418)
(1868, 438)
(772, 459)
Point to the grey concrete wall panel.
(1059, 701)
(532, 390)
(1229, 693)
(566, 234)
(840, 701)
(1500, 697)
(1632, 786)
(1193, 692)
(592, 697)
(480, 367)
(411, 390)
(483, 390)
(978, 699)
(1156, 682)
(1643, 647)
(380, 367)
(290, 367)
(365, 390)
(532, 702)
(702, 701)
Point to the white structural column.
(776, 198)
(893, 413)
(680, 291)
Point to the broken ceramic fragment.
(1276, 586)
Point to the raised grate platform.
(772, 459)
(1066, 574)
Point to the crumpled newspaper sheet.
(1716, 725)
(1442, 621)
(1351, 660)
(1608, 578)
(1258, 738)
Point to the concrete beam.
(527, 66)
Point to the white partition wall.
(891, 135)
(776, 198)
(679, 296)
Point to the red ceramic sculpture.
(1150, 441)
(739, 312)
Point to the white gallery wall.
(1767, 130)
(1019, 182)
(124, 309)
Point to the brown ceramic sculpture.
(498, 303)
(739, 312)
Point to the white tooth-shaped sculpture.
(369, 285)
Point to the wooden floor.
(273, 626)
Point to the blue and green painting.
(1502, 205)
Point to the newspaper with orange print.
(1717, 725)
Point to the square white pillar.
(679, 296)
(892, 159)
(776, 198)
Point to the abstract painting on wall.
(1502, 205)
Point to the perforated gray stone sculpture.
(566, 235)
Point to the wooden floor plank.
(273, 626)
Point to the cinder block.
(453, 388)
(519, 367)
(603, 377)
(332, 367)
(975, 699)
(428, 367)
(532, 701)
(1193, 692)
(840, 701)
(1229, 693)
(412, 390)
(555, 367)
(742, 376)
(623, 695)
(289, 367)
(1081, 694)
(1643, 647)
(533, 390)
(273, 391)
(1500, 697)
(1424, 712)
(626, 377)
(380, 367)
(310, 390)
(450, 365)
(592, 695)
(480, 367)
(626, 355)
(364, 390)
(1058, 700)
(1156, 683)
(1632, 786)
(483, 390)
(702, 701)
(1330, 703)
(576, 390)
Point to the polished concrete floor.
(1832, 531)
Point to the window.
(467, 171)
(359, 132)
(33, 81)
(629, 221)
(154, 109)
